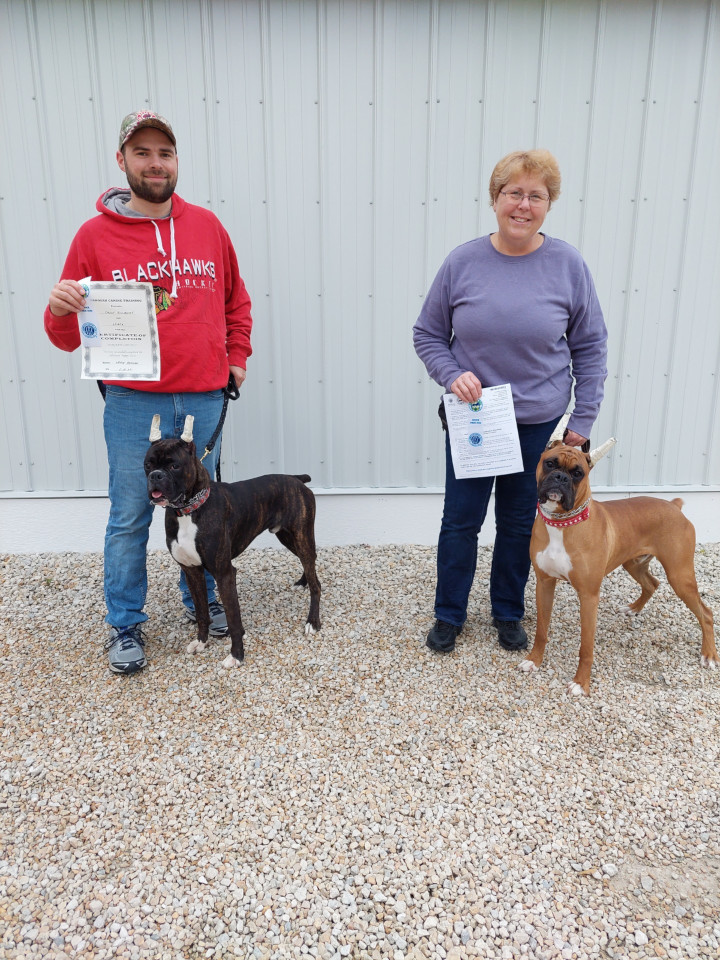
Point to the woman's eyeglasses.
(534, 199)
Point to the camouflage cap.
(143, 118)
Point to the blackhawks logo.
(163, 300)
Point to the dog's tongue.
(156, 495)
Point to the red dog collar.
(566, 520)
(197, 501)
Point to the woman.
(517, 307)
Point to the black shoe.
(511, 635)
(442, 637)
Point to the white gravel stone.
(351, 794)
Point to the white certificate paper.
(118, 332)
(484, 438)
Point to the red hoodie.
(205, 327)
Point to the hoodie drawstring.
(172, 251)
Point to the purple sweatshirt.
(532, 321)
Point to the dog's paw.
(627, 610)
(709, 664)
(229, 662)
(196, 647)
(527, 666)
(309, 628)
(575, 690)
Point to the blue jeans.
(466, 503)
(127, 419)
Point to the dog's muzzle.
(157, 480)
(557, 486)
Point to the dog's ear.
(554, 443)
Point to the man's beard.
(153, 193)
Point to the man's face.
(150, 163)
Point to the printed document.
(118, 332)
(484, 438)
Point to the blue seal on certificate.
(89, 331)
(476, 406)
(475, 439)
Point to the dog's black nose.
(560, 477)
(155, 476)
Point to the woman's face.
(519, 221)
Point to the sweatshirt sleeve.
(64, 332)
(587, 339)
(238, 320)
(432, 332)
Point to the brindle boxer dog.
(577, 539)
(208, 524)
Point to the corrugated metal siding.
(347, 147)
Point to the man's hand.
(467, 387)
(66, 297)
(239, 374)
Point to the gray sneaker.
(126, 649)
(218, 620)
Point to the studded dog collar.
(193, 504)
(566, 519)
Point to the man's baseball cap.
(143, 118)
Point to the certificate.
(118, 332)
(484, 439)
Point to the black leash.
(231, 392)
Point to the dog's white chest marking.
(183, 549)
(554, 559)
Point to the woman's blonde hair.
(540, 163)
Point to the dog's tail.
(302, 477)
(678, 503)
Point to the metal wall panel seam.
(542, 59)
(713, 427)
(328, 458)
(14, 358)
(376, 416)
(148, 46)
(207, 46)
(660, 464)
(43, 130)
(13, 363)
(482, 159)
(619, 396)
(430, 140)
(277, 372)
(599, 42)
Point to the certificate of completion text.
(484, 438)
(118, 332)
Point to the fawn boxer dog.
(577, 539)
(208, 524)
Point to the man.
(150, 234)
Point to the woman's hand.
(467, 387)
(572, 439)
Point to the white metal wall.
(347, 145)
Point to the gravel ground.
(352, 794)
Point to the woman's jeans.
(466, 503)
(127, 420)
